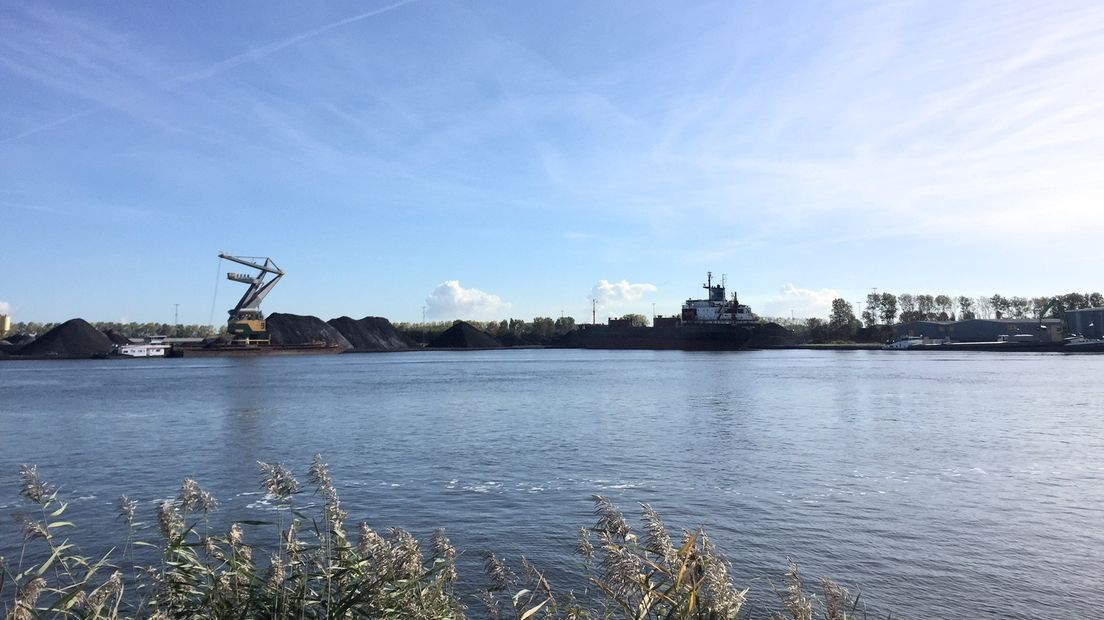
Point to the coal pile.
(75, 338)
(295, 329)
(116, 338)
(463, 336)
(18, 339)
(372, 333)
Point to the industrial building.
(1088, 322)
(984, 330)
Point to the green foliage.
(510, 332)
(636, 320)
(842, 323)
(130, 330)
(887, 308)
(305, 565)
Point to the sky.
(486, 160)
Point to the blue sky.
(492, 160)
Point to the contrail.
(271, 48)
(219, 67)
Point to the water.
(944, 485)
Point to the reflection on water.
(896, 472)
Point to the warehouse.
(1088, 322)
(983, 330)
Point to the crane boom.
(246, 323)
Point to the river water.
(943, 485)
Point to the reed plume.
(309, 570)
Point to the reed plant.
(307, 564)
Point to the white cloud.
(5, 307)
(802, 302)
(452, 301)
(618, 293)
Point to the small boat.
(904, 342)
(1081, 344)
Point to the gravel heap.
(75, 338)
(372, 333)
(463, 336)
(299, 329)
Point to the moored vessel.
(716, 323)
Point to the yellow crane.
(246, 324)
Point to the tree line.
(882, 310)
(129, 330)
(887, 308)
(510, 332)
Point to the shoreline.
(837, 346)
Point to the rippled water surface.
(943, 485)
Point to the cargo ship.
(716, 323)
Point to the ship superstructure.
(716, 308)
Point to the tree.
(888, 308)
(925, 305)
(565, 324)
(543, 328)
(1000, 305)
(984, 308)
(636, 320)
(1074, 301)
(943, 303)
(1019, 307)
(1096, 300)
(873, 309)
(817, 331)
(906, 303)
(966, 308)
(842, 322)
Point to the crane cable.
(214, 297)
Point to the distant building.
(984, 330)
(1088, 322)
(5, 324)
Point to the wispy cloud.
(954, 126)
(103, 67)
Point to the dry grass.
(309, 568)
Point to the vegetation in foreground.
(314, 567)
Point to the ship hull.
(257, 350)
(715, 337)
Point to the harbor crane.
(246, 324)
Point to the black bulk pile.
(75, 338)
(116, 338)
(295, 329)
(463, 336)
(372, 333)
